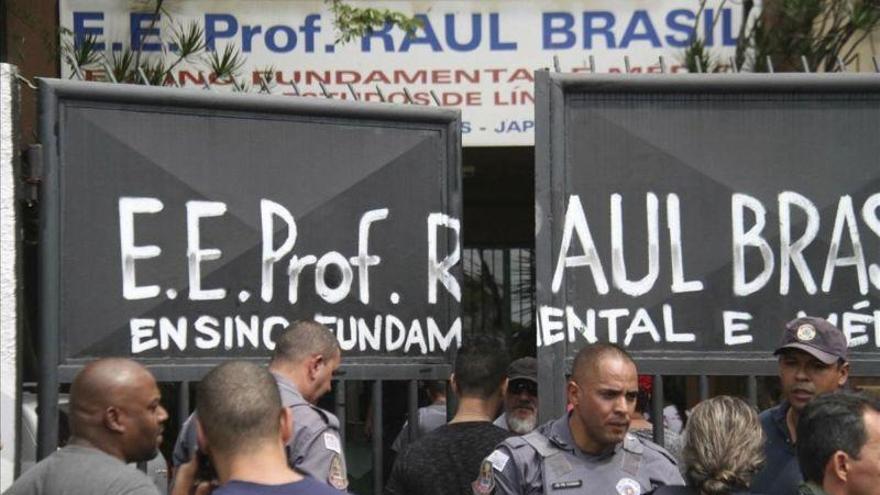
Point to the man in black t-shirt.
(447, 460)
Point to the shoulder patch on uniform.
(498, 459)
(337, 477)
(628, 486)
(634, 444)
(485, 483)
(653, 447)
(332, 442)
(514, 442)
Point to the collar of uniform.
(289, 394)
(810, 488)
(779, 414)
(560, 435)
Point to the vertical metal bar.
(626, 63)
(752, 390)
(182, 402)
(556, 63)
(47, 403)
(508, 289)
(378, 465)
(592, 64)
(483, 312)
(657, 410)
(704, 387)
(340, 409)
(412, 408)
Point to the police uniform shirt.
(315, 448)
(781, 474)
(548, 461)
(430, 418)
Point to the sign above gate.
(186, 226)
(474, 55)
(687, 218)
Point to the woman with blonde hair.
(723, 448)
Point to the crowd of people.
(258, 430)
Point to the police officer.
(588, 450)
(305, 357)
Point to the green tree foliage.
(788, 33)
(134, 66)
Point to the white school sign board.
(478, 56)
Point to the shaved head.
(114, 406)
(103, 383)
(588, 359)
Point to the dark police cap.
(815, 336)
(523, 369)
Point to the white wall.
(9, 271)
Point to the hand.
(185, 480)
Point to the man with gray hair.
(520, 414)
(305, 357)
(243, 427)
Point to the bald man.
(115, 418)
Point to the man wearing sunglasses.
(520, 414)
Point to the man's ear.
(453, 385)
(838, 466)
(201, 438)
(315, 363)
(573, 392)
(113, 419)
(286, 419)
(844, 374)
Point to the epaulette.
(653, 447)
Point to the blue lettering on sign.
(709, 27)
(141, 29)
(427, 38)
(289, 37)
(558, 25)
(602, 29)
(727, 37)
(213, 31)
(309, 29)
(495, 42)
(384, 34)
(475, 37)
(591, 29)
(640, 28)
(679, 27)
(81, 31)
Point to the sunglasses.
(519, 386)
